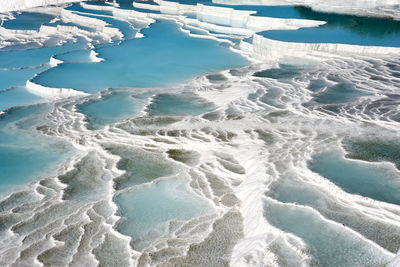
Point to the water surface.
(165, 56)
(346, 29)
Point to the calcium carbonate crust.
(375, 8)
(14, 5)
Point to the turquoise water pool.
(27, 21)
(210, 170)
(24, 154)
(165, 56)
(112, 107)
(327, 242)
(150, 207)
(356, 177)
(345, 29)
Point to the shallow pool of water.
(24, 154)
(345, 29)
(328, 242)
(178, 105)
(165, 56)
(27, 21)
(370, 180)
(18, 96)
(149, 207)
(112, 107)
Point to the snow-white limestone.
(94, 56)
(7, 5)
(267, 49)
(101, 32)
(124, 14)
(378, 8)
(229, 16)
(52, 93)
(242, 22)
(243, 19)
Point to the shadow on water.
(347, 29)
(368, 26)
(27, 21)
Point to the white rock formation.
(378, 8)
(267, 49)
(395, 262)
(243, 19)
(101, 32)
(342, 3)
(52, 93)
(12, 5)
(228, 16)
(125, 14)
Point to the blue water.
(140, 166)
(178, 105)
(286, 12)
(24, 118)
(112, 107)
(18, 96)
(330, 244)
(18, 77)
(149, 207)
(119, 104)
(27, 21)
(283, 72)
(376, 149)
(344, 29)
(165, 56)
(79, 8)
(34, 162)
(127, 4)
(25, 155)
(76, 56)
(332, 35)
(36, 56)
(18, 66)
(334, 90)
(374, 181)
(123, 26)
(293, 190)
(339, 93)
